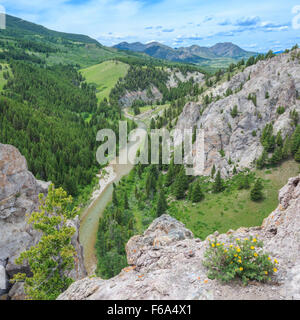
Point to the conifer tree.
(54, 255)
(126, 204)
(297, 155)
(213, 171)
(115, 198)
(234, 170)
(162, 205)
(181, 184)
(260, 163)
(218, 184)
(152, 124)
(256, 192)
(170, 174)
(277, 156)
(197, 194)
(286, 149)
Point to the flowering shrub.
(242, 259)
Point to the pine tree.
(194, 134)
(297, 155)
(213, 171)
(54, 255)
(261, 162)
(162, 205)
(180, 184)
(279, 140)
(218, 184)
(256, 192)
(126, 204)
(152, 124)
(286, 149)
(170, 174)
(115, 198)
(246, 182)
(277, 156)
(197, 194)
(234, 170)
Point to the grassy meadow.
(105, 75)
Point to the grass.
(105, 76)
(234, 209)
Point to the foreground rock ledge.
(166, 262)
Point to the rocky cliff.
(275, 83)
(166, 261)
(19, 192)
(175, 77)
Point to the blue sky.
(257, 25)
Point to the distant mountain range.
(192, 54)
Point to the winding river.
(90, 217)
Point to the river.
(90, 217)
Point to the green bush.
(281, 110)
(242, 259)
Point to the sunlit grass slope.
(105, 75)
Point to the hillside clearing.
(105, 76)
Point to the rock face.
(166, 262)
(19, 192)
(128, 99)
(175, 77)
(279, 78)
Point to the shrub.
(267, 95)
(281, 110)
(234, 112)
(242, 259)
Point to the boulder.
(166, 262)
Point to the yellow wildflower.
(255, 254)
(266, 272)
(254, 240)
(231, 246)
(269, 258)
(252, 248)
(275, 270)
(239, 261)
(225, 250)
(237, 239)
(246, 239)
(218, 244)
(213, 245)
(241, 268)
(276, 261)
(235, 255)
(238, 250)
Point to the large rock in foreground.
(19, 191)
(166, 262)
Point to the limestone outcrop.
(19, 191)
(275, 83)
(166, 261)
